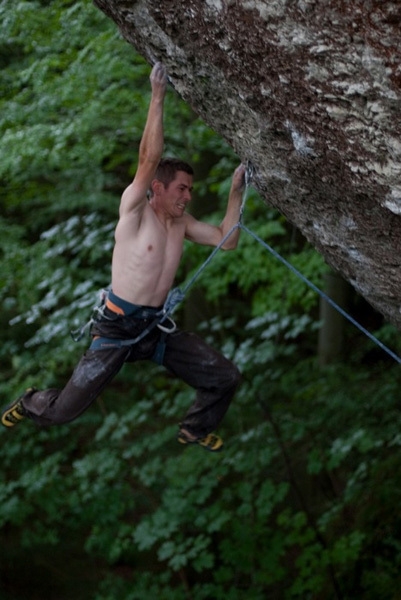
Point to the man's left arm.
(212, 235)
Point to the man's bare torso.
(146, 257)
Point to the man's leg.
(95, 369)
(214, 377)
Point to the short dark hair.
(168, 168)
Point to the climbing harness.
(177, 295)
(159, 318)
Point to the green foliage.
(256, 276)
(303, 502)
(225, 524)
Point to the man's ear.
(156, 187)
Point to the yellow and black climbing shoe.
(211, 442)
(15, 412)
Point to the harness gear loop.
(98, 309)
(168, 329)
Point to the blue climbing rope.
(322, 294)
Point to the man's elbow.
(230, 238)
(230, 245)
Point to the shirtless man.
(148, 246)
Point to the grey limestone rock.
(310, 92)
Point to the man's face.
(177, 194)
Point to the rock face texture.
(310, 92)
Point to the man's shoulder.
(134, 198)
(189, 219)
(138, 215)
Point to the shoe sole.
(11, 410)
(182, 439)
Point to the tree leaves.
(303, 502)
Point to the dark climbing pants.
(187, 356)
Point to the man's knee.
(232, 376)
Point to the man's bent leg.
(95, 369)
(214, 377)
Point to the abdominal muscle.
(145, 259)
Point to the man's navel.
(150, 248)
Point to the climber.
(149, 236)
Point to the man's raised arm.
(151, 146)
(233, 208)
(212, 235)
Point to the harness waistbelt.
(137, 311)
(123, 307)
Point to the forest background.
(304, 500)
